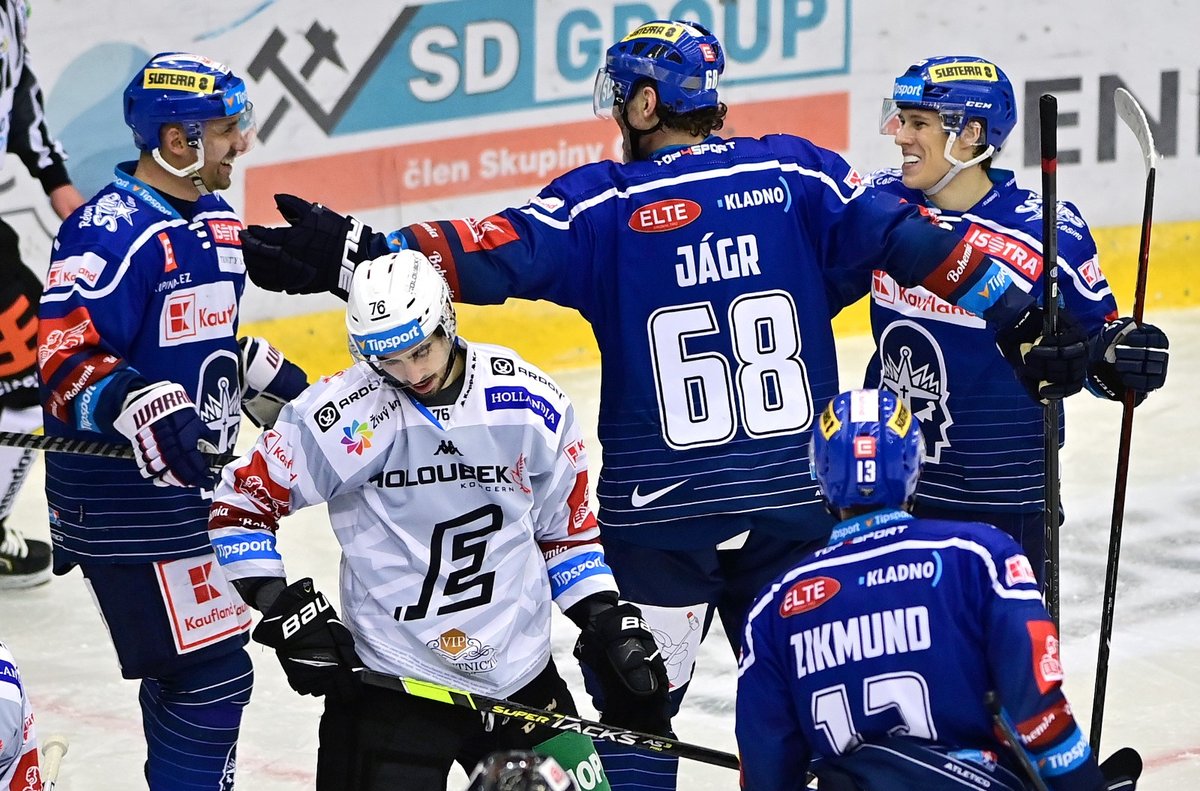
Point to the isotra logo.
(808, 595)
(664, 215)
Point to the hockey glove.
(269, 381)
(616, 644)
(314, 647)
(161, 423)
(1126, 355)
(315, 252)
(1049, 367)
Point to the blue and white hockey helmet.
(397, 302)
(959, 88)
(867, 450)
(683, 59)
(186, 89)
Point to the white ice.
(1153, 694)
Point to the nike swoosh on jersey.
(637, 499)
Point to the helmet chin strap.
(191, 171)
(637, 135)
(956, 166)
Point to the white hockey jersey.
(458, 524)
(19, 768)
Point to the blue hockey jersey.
(983, 432)
(136, 292)
(900, 627)
(709, 275)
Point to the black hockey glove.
(1126, 355)
(314, 647)
(1121, 770)
(315, 252)
(617, 646)
(1049, 367)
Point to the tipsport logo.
(445, 61)
(357, 437)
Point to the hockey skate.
(24, 562)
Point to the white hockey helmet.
(396, 302)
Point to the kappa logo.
(502, 366)
(448, 448)
(327, 416)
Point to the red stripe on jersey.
(1047, 727)
(486, 234)
(582, 517)
(959, 268)
(431, 240)
(1047, 663)
(1021, 256)
(225, 515)
(61, 337)
(86, 373)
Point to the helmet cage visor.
(952, 116)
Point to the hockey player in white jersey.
(19, 767)
(456, 481)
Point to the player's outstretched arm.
(315, 252)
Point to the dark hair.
(699, 123)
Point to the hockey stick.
(53, 750)
(88, 447)
(1048, 112)
(549, 719)
(1133, 116)
(992, 701)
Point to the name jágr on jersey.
(898, 631)
(717, 259)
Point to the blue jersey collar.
(865, 523)
(123, 179)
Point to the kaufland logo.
(198, 314)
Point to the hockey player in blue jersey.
(983, 430)
(138, 344)
(709, 269)
(869, 662)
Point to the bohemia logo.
(358, 437)
(200, 587)
(664, 215)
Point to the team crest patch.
(466, 653)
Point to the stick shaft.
(1048, 109)
(550, 719)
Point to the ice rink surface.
(1153, 692)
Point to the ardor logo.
(502, 366)
(327, 416)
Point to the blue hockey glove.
(1126, 355)
(617, 646)
(315, 649)
(161, 423)
(269, 381)
(315, 252)
(1049, 367)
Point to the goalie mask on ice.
(867, 450)
(400, 318)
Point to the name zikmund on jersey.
(898, 631)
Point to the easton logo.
(664, 215)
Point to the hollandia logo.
(358, 437)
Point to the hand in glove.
(1050, 367)
(315, 252)
(314, 647)
(1126, 355)
(269, 381)
(617, 646)
(161, 423)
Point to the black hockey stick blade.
(555, 720)
(1129, 111)
(992, 701)
(1124, 764)
(87, 447)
